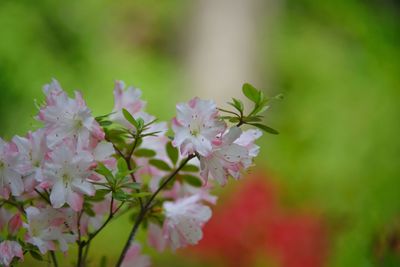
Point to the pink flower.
(184, 221)
(46, 226)
(156, 238)
(128, 99)
(227, 158)
(247, 139)
(196, 125)
(5, 216)
(32, 151)
(68, 171)
(65, 117)
(134, 258)
(15, 224)
(9, 250)
(10, 178)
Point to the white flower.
(184, 221)
(247, 140)
(68, 172)
(196, 126)
(129, 99)
(32, 151)
(9, 250)
(65, 117)
(10, 178)
(227, 158)
(133, 257)
(47, 226)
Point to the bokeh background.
(326, 191)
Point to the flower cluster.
(64, 182)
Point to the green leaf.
(121, 195)
(160, 164)
(141, 194)
(105, 123)
(251, 93)
(122, 166)
(100, 194)
(102, 169)
(132, 185)
(140, 123)
(190, 168)
(129, 118)
(237, 104)
(265, 128)
(192, 180)
(234, 120)
(36, 255)
(88, 210)
(172, 152)
(145, 153)
(252, 119)
(103, 261)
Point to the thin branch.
(54, 258)
(94, 234)
(144, 211)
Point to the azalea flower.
(65, 117)
(10, 178)
(69, 172)
(196, 126)
(227, 158)
(32, 151)
(15, 224)
(156, 238)
(247, 139)
(9, 250)
(5, 216)
(127, 98)
(134, 258)
(184, 220)
(46, 226)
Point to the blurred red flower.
(251, 224)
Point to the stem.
(145, 209)
(94, 234)
(43, 196)
(128, 163)
(54, 258)
(79, 242)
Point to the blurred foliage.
(338, 65)
(337, 62)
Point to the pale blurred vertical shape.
(224, 46)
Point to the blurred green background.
(336, 62)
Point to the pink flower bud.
(15, 224)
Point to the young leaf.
(105, 123)
(141, 194)
(129, 118)
(102, 169)
(99, 196)
(145, 153)
(121, 195)
(36, 255)
(237, 104)
(190, 168)
(192, 180)
(140, 123)
(160, 164)
(172, 152)
(251, 93)
(265, 128)
(122, 166)
(132, 185)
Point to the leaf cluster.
(254, 117)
